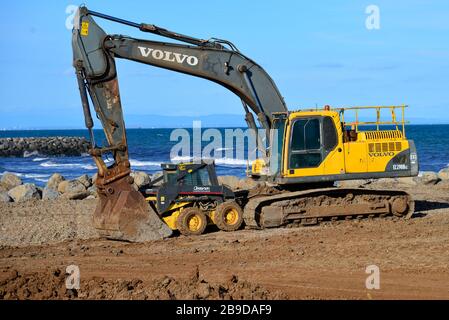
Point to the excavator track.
(327, 204)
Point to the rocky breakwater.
(22, 147)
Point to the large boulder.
(49, 194)
(85, 180)
(248, 183)
(24, 192)
(4, 197)
(230, 181)
(71, 186)
(155, 176)
(429, 178)
(443, 184)
(93, 191)
(443, 174)
(140, 178)
(54, 181)
(94, 178)
(79, 195)
(10, 180)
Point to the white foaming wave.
(27, 154)
(231, 162)
(12, 172)
(138, 163)
(89, 167)
(50, 164)
(35, 176)
(181, 159)
(39, 159)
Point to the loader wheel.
(191, 221)
(228, 216)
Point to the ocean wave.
(138, 163)
(39, 159)
(50, 164)
(27, 154)
(231, 162)
(35, 176)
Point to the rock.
(248, 183)
(140, 178)
(409, 181)
(90, 197)
(49, 194)
(4, 197)
(93, 191)
(203, 291)
(94, 178)
(24, 192)
(54, 181)
(3, 188)
(443, 174)
(352, 183)
(79, 195)
(428, 178)
(230, 181)
(85, 180)
(156, 176)
(443, 184)
(10, 180)
(71, 186)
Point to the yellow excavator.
(306, 150)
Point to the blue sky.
(318, 52)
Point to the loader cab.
(190, 174)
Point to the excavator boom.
(122, 212)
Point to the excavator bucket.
(123, 214)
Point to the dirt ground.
(40, 239)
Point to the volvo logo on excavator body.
(168, 56)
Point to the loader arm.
(94, 53)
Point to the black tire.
(222, 217)
(186, 226)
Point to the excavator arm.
(122, 211)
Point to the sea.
(148, 148)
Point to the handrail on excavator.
(378, 122)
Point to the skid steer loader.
(190, 197)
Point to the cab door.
(305, 149)
(313, 147)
